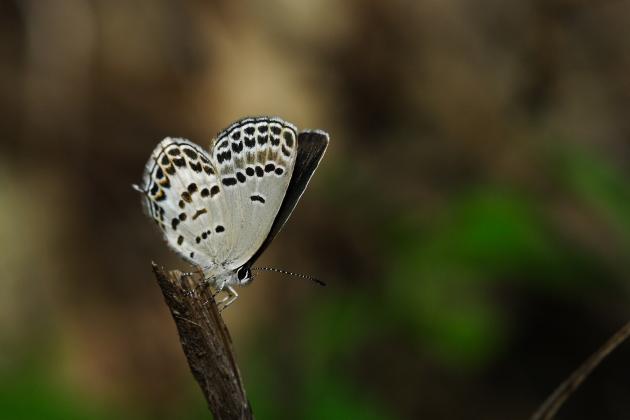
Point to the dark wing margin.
(311, 148)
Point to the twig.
(206, 343)
(549, 408)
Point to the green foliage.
(332, 398)
(444, 278)
(32, 395)
(599, 184)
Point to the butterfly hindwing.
(182, 194)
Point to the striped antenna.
(277, 270)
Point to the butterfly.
(221, 210)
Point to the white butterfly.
(221, 210)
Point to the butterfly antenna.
(277, 270)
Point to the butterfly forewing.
(311, 148)
(255, 159)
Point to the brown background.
(471, 216)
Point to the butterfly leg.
(229, 299)
(217, 291)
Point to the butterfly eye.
(244, 275)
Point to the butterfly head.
(244, 276)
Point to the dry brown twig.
(551, 406)
(206, 343)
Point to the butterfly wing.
(220, 211)
(182, 193)
(310, 150)
(254, 158)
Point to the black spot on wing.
(237, 147)
(241, 178)
(214, 190)
(279, 171)
(229, 181)
(269, 167)
(219, 229)
(262, 139)
(224, 156)
(195, 166)
(250, 142)
(250, 171)
(159, 173)
(286, 151)
(207, 169)
(174, 151)
(180, 239)
(160, 196)
(174, 223)
(205, 192)
(250, 130)
(190, 153)
(275, 129)
(199, 213)
(179, 162)
(288, 138)
(170, 170)
(186, 197)
(259, 171)
(192, 188)
(257, 198)
(165, 160)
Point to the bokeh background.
(471, 216)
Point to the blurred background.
(471, 216)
